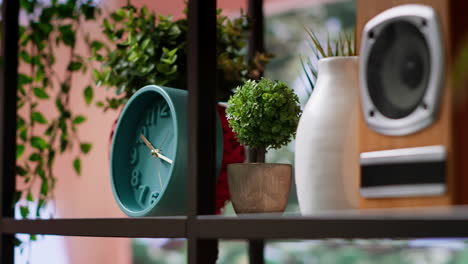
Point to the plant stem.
(255, 155)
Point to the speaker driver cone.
(398, 69)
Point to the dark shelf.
(388, 223)
(169, 227)
(392, 223)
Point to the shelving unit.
(201, 227)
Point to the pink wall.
(175, 7)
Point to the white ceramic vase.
(326, 157)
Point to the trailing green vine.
(50, 30)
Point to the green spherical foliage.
(264, 113)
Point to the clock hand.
(161, 156)
(155, 152)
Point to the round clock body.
(146, 182)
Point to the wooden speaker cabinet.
(400, 157)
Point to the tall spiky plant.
(343, 45)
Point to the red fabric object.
(233, 152)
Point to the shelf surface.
(169, 227)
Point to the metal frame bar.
(201, 124)
(332, 227)
(252, 227)
(169, 227)
(256, 44)
(8, 83)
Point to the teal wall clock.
(148, 161)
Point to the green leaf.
(89, 11)
(88, 94)
(44, 188)
(77, 166)
(33, 237)
(59, 105)
(40, 205)
(50, 128)
(67, 35)
(172, 52)
(85, 147)
(21, 171)
(40, 93)
(24, 79)
(24, 210)
(38, 117)
(63, 142)
(30, 197)
(65, 87)
(39, 143)
(79, 119)
(134, 57)
(25, 56)
(17, 242)
(96, 45)
(65, 10)
(19, 151)
(28, 5)
(35, 157)
(316, 42)
(96, 75)
(74, 66)
(16, 197)
(21, 122)
(117, 17)
(51, 157)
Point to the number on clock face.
(135, 181)
(143, 131)
(133, 156)
(160, 110)
(148, 192)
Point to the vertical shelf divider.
(8, 83)
(201, 126)
(256, 44)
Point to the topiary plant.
(264, 114)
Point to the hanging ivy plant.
(51, 29)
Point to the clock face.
(148, 163)
(149, 171)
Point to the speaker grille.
(398, 69)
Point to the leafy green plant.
(342, 46)
(264, 114)
(149, 49)
(51, 30)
